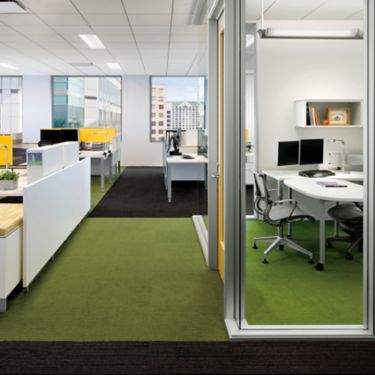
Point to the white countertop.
(198, 159)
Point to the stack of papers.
(331, 184)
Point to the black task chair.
(277, 213)
(349, 218)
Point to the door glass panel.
(304, 104)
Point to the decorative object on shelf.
(325, 122)
(9, 180)
(339, 116)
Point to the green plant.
(9, 175)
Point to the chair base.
(278, 241)
(354, 243)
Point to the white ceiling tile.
(111, 30)
(282, 9)
(336, 9)
(99, 6)
(148, 6)
(151, 30)
(150, 19)
(190, 30)
(20, 19)
(123, 55)
(357, 16)
(63, 19)
(152, 38)
(106, 19)
(90, 70)
(50, 37)
(49, 6)
(181, 19)
(33, 30)
(184, 6)
(153, 46)
(73, 30)
(116, 38)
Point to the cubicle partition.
(53, 207)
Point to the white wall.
(297, 69)
(137, 150)
(37, 106)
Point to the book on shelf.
(312, 118)
(316, 116)
(308, 119)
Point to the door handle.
(215, 175)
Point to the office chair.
(350, 219)
(277, 213)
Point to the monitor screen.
(288, 153)
(311, 151)
(50, 135)
(69, 135)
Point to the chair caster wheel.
(349, 257)
(329, 244)
(311, 261)
(265, 261)
(281, 247)
(255, 247)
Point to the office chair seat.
(277, 213)
(350, 219)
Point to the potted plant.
(9, 180)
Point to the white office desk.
(22, 182)
(103, 157)
(281, 175)
(310, 188)
(179, 169)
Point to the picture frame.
(339, 116)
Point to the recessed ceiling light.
(8, 66)
(92, 41)
(11, 6)
(114, 66)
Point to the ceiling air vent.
(11, 6)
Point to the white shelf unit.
(322, 105)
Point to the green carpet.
(121, 279)
(288, 290)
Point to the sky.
(180, 88)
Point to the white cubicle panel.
(70, 153)
(53, 207)
(43, 161)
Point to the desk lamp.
(343, 156)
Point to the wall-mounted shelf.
(303, 111)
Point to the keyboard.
(315, 173)
(185, 156)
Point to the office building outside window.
(178, 103)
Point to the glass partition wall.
(305, 261)
(302, 265)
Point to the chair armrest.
(282, 201)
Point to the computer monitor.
(311, 151)
(69, 135)
(50, 135)
(288, 153)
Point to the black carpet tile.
(187, 357)
(140, 192)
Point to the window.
(10, 105)
(178, 100)
(87, 102)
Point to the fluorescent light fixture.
(8, 66)
(114, 66)
(275, 33)
(249, 40)
(92, 41)
(11, 6)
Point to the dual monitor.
(303, 152)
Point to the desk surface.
(281, 175)
(198, 159)
(94, 154)
(310, 187)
